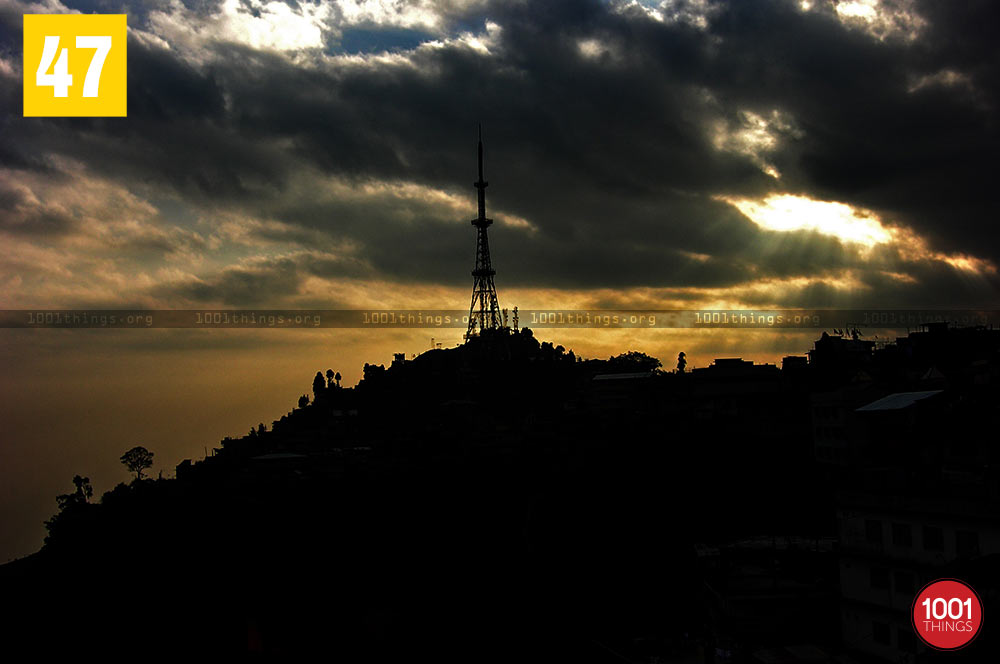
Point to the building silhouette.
(903, 436)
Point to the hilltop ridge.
(505, 492)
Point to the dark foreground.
(505, 502)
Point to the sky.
(654, 155)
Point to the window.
(873, 531)
(880, 632)
(904, 582)
(902, 534)
(880, 578)
(967, 542)
(933, 538)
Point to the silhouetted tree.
(529, 337)
(634, 361)
(336, 377)
(83, 493)
(70, 521)
(319, 385)
(681, 362)
(137, 460)
(303, 401)
(261, 428)
(329, 377)
(83, 487)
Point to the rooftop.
(898, 401)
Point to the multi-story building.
(916, 508)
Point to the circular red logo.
(947, 614)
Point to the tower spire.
(484, 312)
(481, 184)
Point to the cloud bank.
(682, 153)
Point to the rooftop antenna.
(484, 312)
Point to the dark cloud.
(241, 286)
(608, 153)
(264, 282)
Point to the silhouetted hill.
(499, 501)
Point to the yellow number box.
(74, 65)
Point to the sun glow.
(785, 212)
(851, 225)
(882, 18)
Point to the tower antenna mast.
(484, 312)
